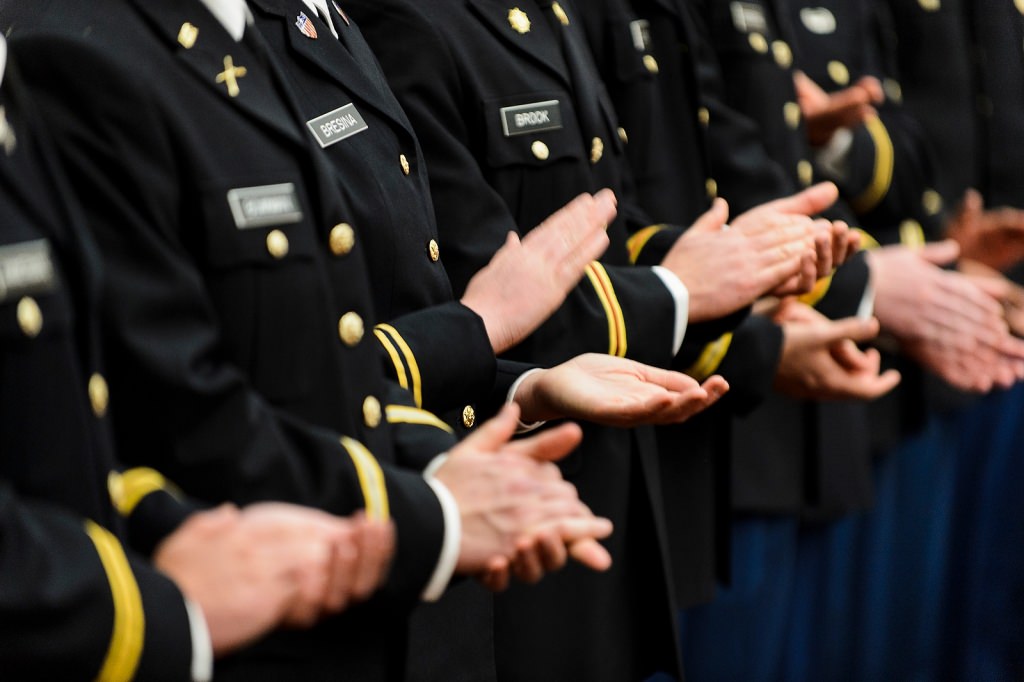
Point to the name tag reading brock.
(26, 268)
(335, 126)
(264, 205)
(531, 118)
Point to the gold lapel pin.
(518, 20)
(187, 35)
(230, 75)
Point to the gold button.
(560, 14)
(931, 201)
(187, 35)
(704, 116)
(623, 136)
(911, 234)
(893, 90)
(712, 188)
(1020, 5)
(791, 112)
(596, 149)
(277, 244)
(783, 55)
(468, 416)
(30, 317)
(540, 150)
(434, 249)
(99, 394)
(930, 5)
(342, 239)
(404, 163)
(805, 171)
(758, 42)
(350, 328)
(650, 63)
(371, 412)
(518, 20)
(838, 72)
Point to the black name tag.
(335, 126)
(264, 205)
(26, 268)
(531, 118)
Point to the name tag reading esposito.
(264, 205)
(335, 126)
(531, 118)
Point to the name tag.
(264, 205)
(26, 268)
(640, 31)
(335, 126)
(531, 118)
(748, 17)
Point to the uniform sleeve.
(618, 310)
(195, 414)
(75, 604)
(441, 355)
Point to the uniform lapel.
(538, 43)
(329, 56)
(206, 54)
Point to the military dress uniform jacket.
(74, 602)
(513, 124)
(241, 359)
(351, 114)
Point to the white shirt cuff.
(834, 157)
(681, 295)
(202, 646)
(511, 398)
(867, 301)
(449, 557)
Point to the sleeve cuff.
(202, 645)
(449, 557)
(511, 398)
(681, 296)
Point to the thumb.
(940, 253)
(713, 219)
(811, 201)
(852, 328)
(496, 431)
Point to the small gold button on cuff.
(783, 54)
(277, 244)
(711, 185)
(838, 72)
(931, 5)
(805, 172)
(540, 150)
(623, 136)
(791, 112)
(434, 250)
(99, 394)
(342, 239)
(371, 412)
(931, 201)
(404, 163)
(30, 317)
(560, 14)
(758, 42)
(596, 149)
(704, 116)
(350, 329)
(650, 63)
(468, 416)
